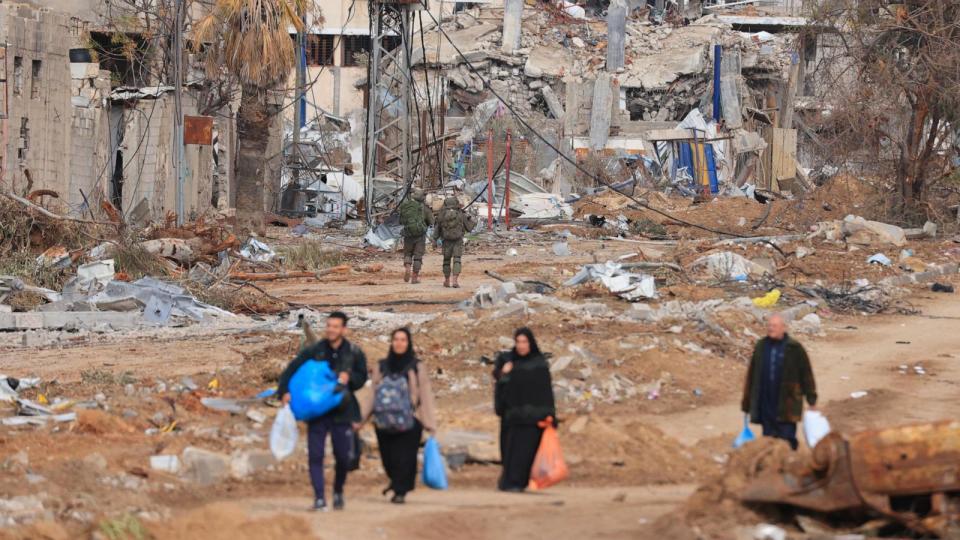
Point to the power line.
(530, 128)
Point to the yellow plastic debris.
(768, 300)
(213, 384)
(42, 399)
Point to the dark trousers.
(519, 445)
(398, 451)
(781, 430)
(341, 435)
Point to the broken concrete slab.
(67, 320)
(546, 61)
(468, 41)
(658, 71)
(512, 19)
(248, 462)
(204, 466)
(616, 34)
(600, 113)
(553, 102)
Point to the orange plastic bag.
(548, 466)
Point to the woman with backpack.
(401, 405)
(523, 396)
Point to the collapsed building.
(704, 98)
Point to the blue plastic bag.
(313, 391)
(434, 466)
(746, 435)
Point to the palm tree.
(251, 41)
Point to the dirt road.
(475, 514)
(864, 354)
(848, 359)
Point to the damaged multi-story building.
(89, 114)
(706, 95)
(86, 118)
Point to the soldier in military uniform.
(452, 224)
(416, 218)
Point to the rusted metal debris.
(910, 474)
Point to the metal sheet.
(908, 460)
(198, 130)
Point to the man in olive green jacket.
(778, 379)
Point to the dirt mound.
(641, 451)
(225, 521)
(100, 423)
(44, 530)
(714, 510)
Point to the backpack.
(451, 224)
(412, 218)
(392, 406)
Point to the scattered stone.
(483, 452)
(204, 466)
(765, 531)
(95, 461)
(257, 416)
(165, 463)
(249, 462)
(578, 425)
(18, 509)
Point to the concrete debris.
(10, 386)
(165, 463)
(175, 249)
(626, 285)
(205, 467)
(20, 509)
(859, 231)
(165, 299)
(726, 265)
(12, 284)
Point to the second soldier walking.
(452, 224)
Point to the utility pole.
(299, 111)
(490, 180)
(506, 187)
(178, 157)
(389, 140)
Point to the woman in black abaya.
(523, 397)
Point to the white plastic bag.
(815, 427)
(284, 434)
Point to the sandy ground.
(864, 354)
(475, 514)
(849, 359)
(605, 497)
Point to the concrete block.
(641, 312)
(249, 462)
(84, 70)
(203, 466)
(164, 463)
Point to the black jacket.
(525, 395)
(349, 358)
(796, 383)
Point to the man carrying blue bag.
(312, 389)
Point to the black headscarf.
(398, 363)
(534, 349)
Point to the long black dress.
(523, 397)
